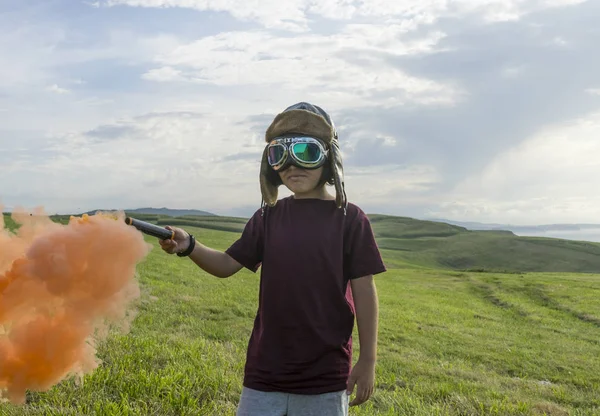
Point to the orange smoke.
(61, 287)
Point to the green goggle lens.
(306, 152)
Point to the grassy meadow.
(451, 341)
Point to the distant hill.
(472, 225)
(574, 232)
(389, 226)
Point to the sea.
(592, 234)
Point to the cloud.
(376, 185)
(164, 74)
(270, 13)
(347, 68)
(182, 156)
(296, 15)
(169, 99)
(57, 90)
(49, 53)
(551, 173)
(110, 132)
(497, 111)
(310, 64)
(253, 156)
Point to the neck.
(319, 193)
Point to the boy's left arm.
(367, 315)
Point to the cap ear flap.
(338, 173)
(267, 187)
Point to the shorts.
(258, 403)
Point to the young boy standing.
(318, 256)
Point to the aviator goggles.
(302, 151)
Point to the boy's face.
(301, 181)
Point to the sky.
(470, 110)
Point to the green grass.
(478, 250)
(9, 223)
(450, 343)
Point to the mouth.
(295, 177)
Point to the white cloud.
(547, 178)
(181, 157)
(163, 74)
(57, 90)
(380, 184)
(293, 14)
(180, 136)
(559, 41)
(94, 101)
(340, 69)
(23, 65)
(146, 160)
(45, 47)
(512, 71)
(42, 61)
(288, 14)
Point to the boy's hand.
(363, 376)
(179, 243)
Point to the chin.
(298, 189)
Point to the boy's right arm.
(212, 261)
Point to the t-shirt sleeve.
(361, 253)
(248, 249)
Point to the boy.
(318, 257)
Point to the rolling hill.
(441, 245)
(408, 242)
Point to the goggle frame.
(289, 157)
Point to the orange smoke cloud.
(61, 287)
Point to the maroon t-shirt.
(302, 337)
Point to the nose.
(293, 169)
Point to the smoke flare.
(61, 288)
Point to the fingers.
(180, 240)
(180, 234)
(169, 246)
(363, 393)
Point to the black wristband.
(190, 248)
